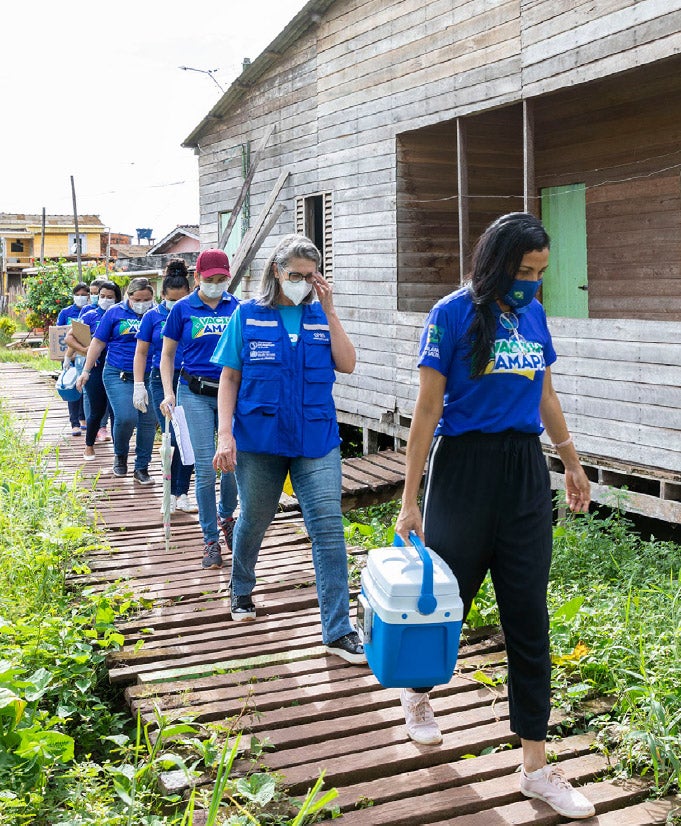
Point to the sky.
(95, 91)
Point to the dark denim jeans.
(180, 475)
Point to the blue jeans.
(180, 475)
(127, 418)
(202, 421)
(317, 484)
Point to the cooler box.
(409, 616)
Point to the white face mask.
(105, 303)
(81, 300)
(296, 292)
(140, 307)
(212, 290)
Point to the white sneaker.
(184, 503)
(419, 718)
(173, 505)
(550, 785)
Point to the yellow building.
(21, 242)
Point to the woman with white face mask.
(116, 332)
(196, 323)
(66, 316)
(108, 294)
(279, 358)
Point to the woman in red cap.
(197, 322)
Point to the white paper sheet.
(184, 444)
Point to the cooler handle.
(426, 603)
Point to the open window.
(314, 218)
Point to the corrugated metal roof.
(307, 17)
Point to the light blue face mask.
(169, 303)
(520, 296)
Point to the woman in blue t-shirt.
(108, 294)
(81, 296)
(197, 322)
(116, 332)
(485, 395)
(150, 338)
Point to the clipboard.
(81, 333)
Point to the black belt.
(200, 385)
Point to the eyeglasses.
(297, 277)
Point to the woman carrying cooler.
(81, 293)
(278, 360)
(485, 394)
(197, 322)
(150, 337)
(116, 331)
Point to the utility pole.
(75, 220)
(42, 240)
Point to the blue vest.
(285, 403)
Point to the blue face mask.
(521, 294)
(94, 300)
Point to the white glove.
(66, 363)
(140, 397)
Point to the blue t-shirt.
(67, 315)
(228, 351)
(151, 331)
(507, 397)
(198, 328)
(118, 328)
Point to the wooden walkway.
(274, 678)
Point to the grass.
(28, 356)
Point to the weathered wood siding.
(369, 71)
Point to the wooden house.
(406, 127)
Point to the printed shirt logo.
(524, 358)
(207, 326)
(262, 350)
(434, 334)
(129, 326)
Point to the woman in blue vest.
(277, 415)
(150, 337)
(81, 296)
(116, 332)
(197, 322)
(485, 395)
(108, 294)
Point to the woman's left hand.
(577, 489)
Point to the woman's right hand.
(409, 519)
(168, 404)
(225, 455)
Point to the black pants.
(99, 403)
(487, 506)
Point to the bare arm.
(167, 370)
(342, 349)
(94, 351)
(140, 360)
(577, 486)
(225, 455)
(427, 413)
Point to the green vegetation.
(615, 611)
(69, 754)
(38, 361)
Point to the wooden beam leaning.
(242, 264)
(255, 232)
(224, 237)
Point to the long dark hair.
(496, 261)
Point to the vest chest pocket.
(260, 387)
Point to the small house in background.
(405, 128)
(22, 240)
(183, 238)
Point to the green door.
(564, 291)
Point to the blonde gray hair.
(140, 283)
(290, 246)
